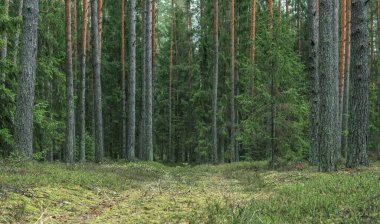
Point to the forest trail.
(155, 193)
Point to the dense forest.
(190, 81)
(189, 111)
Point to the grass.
(154, 193)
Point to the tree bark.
(171, 152)
(82, 94)
(346, 86)
(142, 135)
(328, 88)
(25, 97)
(214, 154)
(358, 121)
(17, 35)
(287, 7)
(232, 70)
(99, 148)
(123, 97)
(132, 81)
(70, 135)
(314, 79)
(342, 55)
(149, 85)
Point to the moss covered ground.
(154, 193)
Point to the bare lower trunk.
(358, 121)
(82, 91)
(313, 73)
(346, 81)
(25, 97)
(99, 148)
(132, 81)
(232, 70)
(70, 136)
(328, 88)
(123, 102)
(149, 85)
(214, 153)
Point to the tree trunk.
(171, 153)
(358, 121)
(4, 48)
(214, 154)
(82, 94)
(123, 100)
(17, 35)
(99, 148)
(338, 117)
(342, 55)
(232, 70)
(279, 8)
(100, 27)
(346, 85)
(132, 81)
(253, 31)
(25, 97)
(328, 88)
(70, 136)
(149, 85)
(314, 79)
(142, 135)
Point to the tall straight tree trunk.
(142, 135)
(338, 117)
(70, 135)
(328, 88)
(272, 91)
(132, 81)
(123, 100)
(75, 36)
(279, 9)
(99, 148)
(346, 80)
(153, 40)
(378, 65)
(17, 35)
(358, 121)
(171, 152)
(82, 94)
(4, 48)
(25, 96)
(314, 79)
(232, 70)
(100, 27)
(214, 153)
(342, 55)
(149, 85)
(372, 44)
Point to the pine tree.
(149, 85)
(214, 153)
(25, 96)
(70, 135)
(358, 121)
(99, 147)
(232, 82)
(82, 89)
(125, 150)
(313, 73)
(132, 81)
(328, 88)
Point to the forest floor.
(154, 193)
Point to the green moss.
(155, 193)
